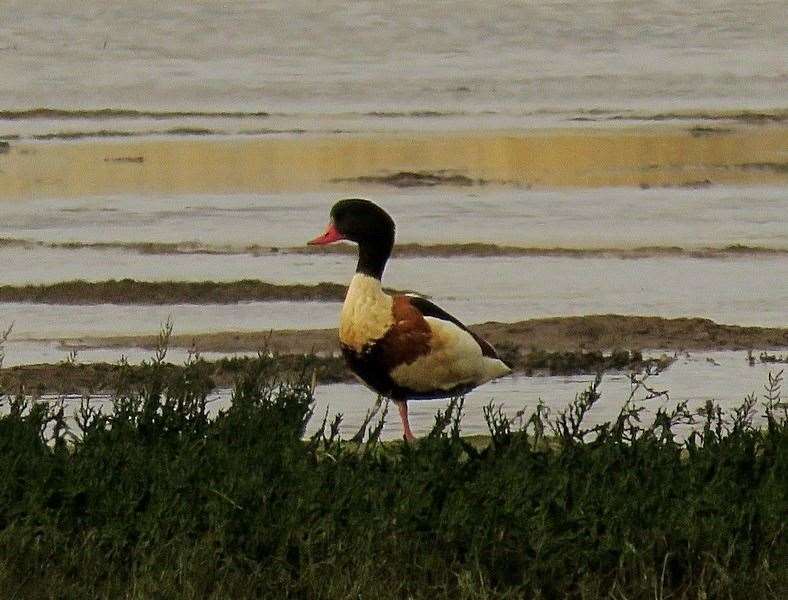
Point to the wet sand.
(659, 155)
(560, 334)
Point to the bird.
(401, 346)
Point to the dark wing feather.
(429, 309)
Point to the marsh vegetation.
(154, 497)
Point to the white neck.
(366, 314)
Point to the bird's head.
(359, 221)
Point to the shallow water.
(45, 321)
(577, 218)
(723, 377)
(737, 289)
(742, 290)
(296, 57)
(28, 352)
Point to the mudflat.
(559, 334)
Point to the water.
(723, 377)
(508, 59)
(36, 321)
(27, 352)
(367, 67)
(737, 289)
(575, 218)
(515, 289)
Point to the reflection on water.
(264, 164)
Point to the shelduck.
(403, 347)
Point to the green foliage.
(154, 499)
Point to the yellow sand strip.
(657, 156)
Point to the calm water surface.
(571, 218)
(333, 57)
(745, 291)
(737, 289)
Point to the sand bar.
(559, 334)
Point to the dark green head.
(368, 225)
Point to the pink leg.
(402, 405)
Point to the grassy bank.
(156, 500)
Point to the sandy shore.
(659, 155)
(560, 334)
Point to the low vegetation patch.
(78, 135)
(153, 498)
(747, 116)
(775, 167)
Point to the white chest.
(366, 314)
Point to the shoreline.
(407, 249)
(751, 115)
(561, 346)
(101, 377)
(658, 155)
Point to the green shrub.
(154, 499)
